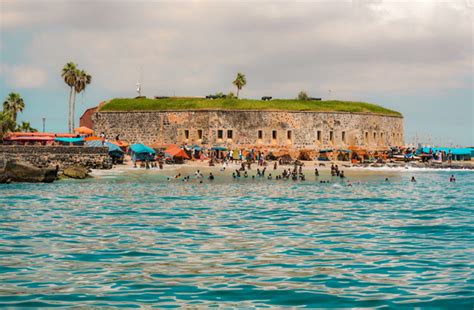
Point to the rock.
(76, 172)
(17, 171)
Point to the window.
(260, 134)
(381, 136)
(220, 134)
(319, 135)
(186, 134)
(274, 134)
(289, 135)
(343, 136)
(199, 134)
(331, 136)
(366, 137)
(375, 136)
(229, 134)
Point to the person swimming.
(211, 176)
(452, 178)
(412, 179)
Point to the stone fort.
(253, 128)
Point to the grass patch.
(145, 104)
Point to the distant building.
(86, 118)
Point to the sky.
(413, 56)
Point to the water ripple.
(138, 241)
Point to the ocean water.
(134, 239)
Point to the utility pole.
(44, 121)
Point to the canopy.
(120, 143)
(175, 151)
(219, 148)
(30, 138)
(454, 151)
(141, 149)
(345, 151)
(69, 140)
(326, 151)
(42, 134)
(112, 147)
(197, 148)
(91, 138)
(84, 130)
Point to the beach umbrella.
(219, 148)
(112, 147)
(141, 149)
(175, 151)
(84, 130)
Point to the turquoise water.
(136, 240)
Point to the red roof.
(47, 138)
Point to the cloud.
(193, 48)
(23, 76)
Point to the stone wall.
(64, 156)
(269, 129)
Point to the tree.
(6, 123)
(69, 75)
(13, 104)
(239, 82)
(25, 127)
(82, 80)
(302, 95)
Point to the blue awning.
(454, 151)
(69, 140)
(219, 148)
(141, 149)
(98, 143)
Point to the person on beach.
(452, 178)
(275, 166)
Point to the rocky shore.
(35, 163)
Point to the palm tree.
(239, 82)
(82, 80)
(69, 76)
(13, 104)
(6, 123)
(26, 127)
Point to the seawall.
(64, 156)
